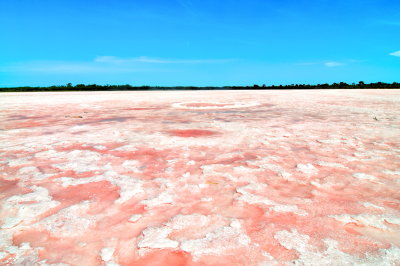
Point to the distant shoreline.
(94, 87)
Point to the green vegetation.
(94, 87)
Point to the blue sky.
(198, 42)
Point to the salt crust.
(277, 169)
(132, 165)
(306, 168)
(330, 164)
(107, 253)
(162, 198)
(30, 173)
(80, 161)
(27, 213)
(389, 172)
(220, 241)
(227, 105)
(368, 205)
(252, 198)
(70, 221)
(374, 220)
(309, 255)
(363, 176)
(129, 186)
(157, 237)
(134, 218)
(18, 162)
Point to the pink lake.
(200, 178)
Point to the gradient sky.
(198, 42)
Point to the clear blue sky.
(198, 42)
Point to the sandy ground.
(200, 178)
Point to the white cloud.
(395, 53)
(103, 64)
(145, 59)
(333, 64)
(326, 64)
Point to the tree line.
(127, 87)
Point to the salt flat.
(200, 178)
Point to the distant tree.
(80, 86)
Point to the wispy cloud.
(333, 64)
(104, 64)
(323, 63)
(395, 53)
(145, 59)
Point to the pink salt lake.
(200, 178)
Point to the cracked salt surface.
(255, 178)
(157, 237)
(223, 240)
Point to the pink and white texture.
(200, 178)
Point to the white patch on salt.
(28, 212)
(25, 246)
(181, 221)
(162, 198)
(329, 164)
(217, 242)
(3, 255)
(129, 147)
(206, 199)
(306, 168)
(112, 263)
(363, 176)
(214, 105)
(329, 141)
(236, 224)
(70, 221)
(271, 260)
(132, 165)
(293, 240)
(100, 147)
(31, 173)
(12, 249)
(107, 253)
(129, 187)
(253, 198)
(378, 221)
(10, 222)
(80, 161)
(289, 208)
(134, 218)
(17, 162)
(156, 237)
(348, 158)
(389, 172)
(368, 204)
(203, 185)
(277, 169)
(186, 175)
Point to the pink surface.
(200, 178)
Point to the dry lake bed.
(200, 178)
